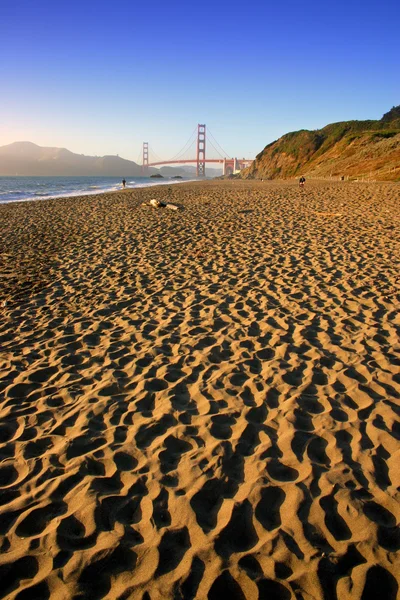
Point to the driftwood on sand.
(158, 204)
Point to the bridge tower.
(145, 162)
(201, 150)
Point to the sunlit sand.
(201, 403)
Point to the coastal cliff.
(351, 149)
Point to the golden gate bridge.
(197, 145)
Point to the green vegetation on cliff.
(347, 149)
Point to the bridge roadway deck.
(194, 160)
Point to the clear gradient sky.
(102, 77)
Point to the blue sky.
(101, 77)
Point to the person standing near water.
(123, 183)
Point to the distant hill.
(351, 149)
(26, 158)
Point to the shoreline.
(262, 182)
(95, 191)
(203, 399)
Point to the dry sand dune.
(202, 403)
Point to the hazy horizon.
(100, 82)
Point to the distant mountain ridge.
(351, 149)
(26, 158)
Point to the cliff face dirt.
(353, 149)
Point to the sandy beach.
(201, 403)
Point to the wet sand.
(201, 404)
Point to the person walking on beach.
(302, 181)
(123, 183)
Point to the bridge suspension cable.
(219, 145)
(217, 151)
(151, 151)
(194, 151)
(187, 151)
(186, 146)
(190, 142)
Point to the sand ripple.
(201, 403)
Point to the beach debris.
(158, 204)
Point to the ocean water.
(16, 189)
